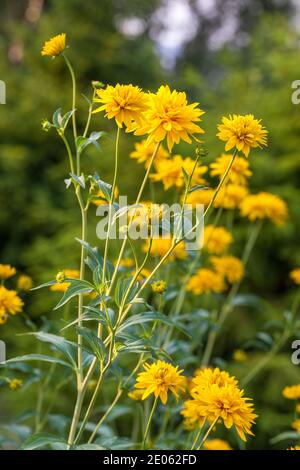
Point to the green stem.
(69, 65)
(208, 432)
(149, 423)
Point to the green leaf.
(37, 357)
(89, 447)
(288, 435)
(79, 179)
(185, 176)
(46, 284)
(76, 287)
(68, 348)
(57, 118)
(95, 343)
(122, 287)
(65, 119)
(41, 440)
(150, 317)
(197, 187)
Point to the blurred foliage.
(252, 73)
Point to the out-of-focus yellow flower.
(159, 286)
(206, 281)
(216, 444)
(136, 395)
(146, 212)
(169, 116)
(3, 318)
(169, 172)
(228, 266)
(63, 286)
(55, 46)
(202, 196)
(101, 199)
(193, 417)
(143, 152)
(216, 239)
(126, 263)
(295, 276)
(124, 103)
(24, 282)
(296, 425)
(144, 274)
(160, 378)
(238, 173)
(242, 132)
(239, 355)
(10, 303)
(292, 392)
(7, 271)
(15, 384)
(230, 196)
(160, 247)
(294, 448)
(264, 206)
(298, 408)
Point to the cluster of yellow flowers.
(10, 301)
(215, 396)
(62, 285)
(293, 393)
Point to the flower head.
(216, 239)
(296, 425)
(203, 196)
(24, 282)
(159, 287)
(7, 271)
(136, 395)
(169, 172)
(292, 392)
(124, 103)
(239, 355)
(55, 46)
(238, 173)
(216, 444)
(295, 275)
(206, 281)
(230, 196)
(264, 206)
(206, 377)
(15, 384)
(143, 152)
(228, 266)
(160, 378)
(61, 285)
(242, 132)
(10, 302)
(169, 116)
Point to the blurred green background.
(231, 56)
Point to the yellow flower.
(292, 392)
(228, 404)
(169, 172)
(298, 408)
(160, 378)
(160, 247)
(230, 196)
(159, 286)
(264, 206)
(239, 355)
(143, 152)
(124, 103)
(145, 212)
(216, 239)
(193, 417)
(10, 302)
(242, 132)
(24, 282)
(216, 444)
(238, 173)
(206, 377)
(7, 271)
(143, 274)
(170, 116)
(206, 281)
(126, 263)
(15, 384)
(228, 266)
(295, 276)
(136, 395)
(62, 286)
(3, 318)
(55, 46)
(203, 196)
(294, 448)
(296, 425)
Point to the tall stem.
(69, 65)
(149, 423)
(208, 432)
